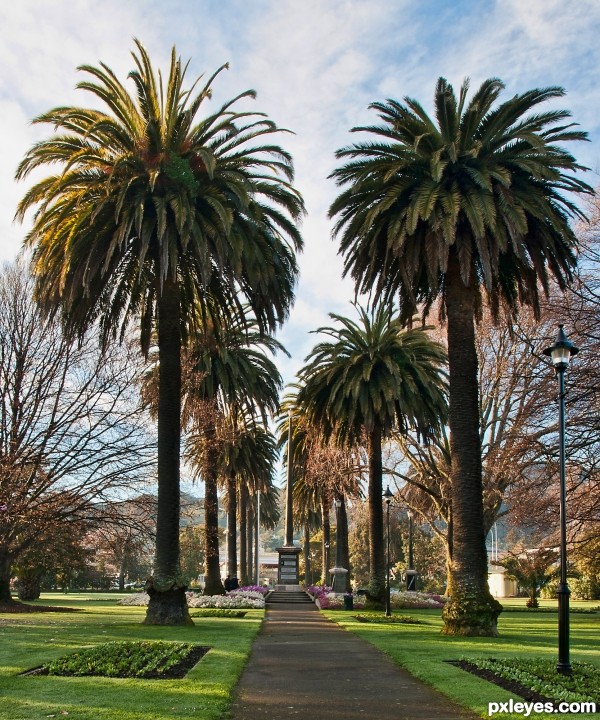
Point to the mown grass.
(30, 640)
(424, 652)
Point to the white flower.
(135, 599)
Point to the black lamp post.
(388, 495)
(561, 353)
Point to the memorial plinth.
(288, 569)
(411, 580)
(338, 584)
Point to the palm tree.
(231, 382)
(249, 460)
(369, 379)
(322, 472)
(153, 211)
(469, 208)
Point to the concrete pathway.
(303, 665)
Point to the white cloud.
(316, 66)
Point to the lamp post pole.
(388, 495)
(561, 353)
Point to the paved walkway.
(305, 666)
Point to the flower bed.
(259, 590)
(325, 599)
(236, 600)
(233, 600)
(399, 599)
(404, 600)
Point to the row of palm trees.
(185, 228)
(177, 225)
(369, 377)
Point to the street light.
(388, 495)
(561, 353)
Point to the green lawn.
(422, 650)
(29, 640)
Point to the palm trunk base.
(214, 586)
(471, 615)
(167, 607)
(375, 595)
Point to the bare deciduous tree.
(72, 436)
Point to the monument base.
(288, 567)
(339, 579)
(411, 580)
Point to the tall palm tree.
(231, 373)
(152, 211)
(322, 471)
(248, 460)
(469, 207)
(370, 378)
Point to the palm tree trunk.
(306, 553)
(168, 605)
(213, 585)
(243, 534)
(342, 534)
(249, 543)
(450, 529)
(232, 527)
(471, 610)
(256, 575)
(376, 589)
(326, 543)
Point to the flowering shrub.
(240, 600)
(244, 592)
(237, 601)
(328, 600)
(141, 598)
(252, 588)
(402, 599)
(318, 590)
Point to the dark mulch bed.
(19, 607)
(176, 672)
(510, 685)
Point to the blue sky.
(316, 65)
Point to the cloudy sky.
(315, 64)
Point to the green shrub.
(142, 659)
(393, 619)
(539, 675)
(584, 588)
(549, 591)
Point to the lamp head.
(562, 351)
(388, 495)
